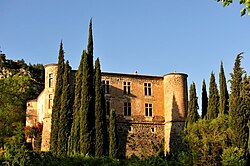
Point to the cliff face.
(10, 68)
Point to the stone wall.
(49, 91)
(175, 106)
(140, 139)
(31, 113)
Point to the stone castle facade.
(150, 110)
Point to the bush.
(233, 156)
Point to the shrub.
(233, 156)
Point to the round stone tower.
(175, 109)
(48, 96)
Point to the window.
(50, 80)
(147, 89)
(105, 84)
(126, 88)
(130, 129)
(50, 101)
(127, 109)
(152, 130)
(107, 108)
(148, 110)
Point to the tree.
(86, 108)
(207, 139)
(204, 100)
(90, 70)
(213, 99)
(192, 115)
(82, 133)
(100, 117)
(14, 92)
(243, 10)
(223, 92)
(57, 102)
(237, 108)
(65, 113)
(113, 144)
(74, 145)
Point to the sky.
(151, 37)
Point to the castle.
(150, 110)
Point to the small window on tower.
(50, 80)
(152, 130)
(50, 101)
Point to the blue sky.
(151, 37)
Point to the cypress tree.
(113, 144)
(90, 50)
(237, 108)
(86, 108)
(204, 99)
(192, 115)
(100, 118)
(65, 113)
(213, 99)
(245, 109)
(57, 102)
(74, 146)
(223, 92)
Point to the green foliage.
(204, 99)
(15, 91)
(192, 115)
(238, 109)
(233, 156)
(65, 113)
(244, 2)
(90, 78)
(86, 108)
(213, 99)
(113, 140)
(20, 68)
(81, 140)
(57, 102)
(100, 117)
(207, 139)
(223, 92)
(74, 145)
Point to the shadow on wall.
(177, 128)
(119, 101)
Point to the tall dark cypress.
(192, 115)
(223, 92)
(57, 102)
(86, 108)
(65, 113)
(237, 110)
(213, 99)
(113, 140)
(100, 118)
(204, 99)
(74, 145)
(90, 70)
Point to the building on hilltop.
(150, 110)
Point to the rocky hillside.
(9, 68)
